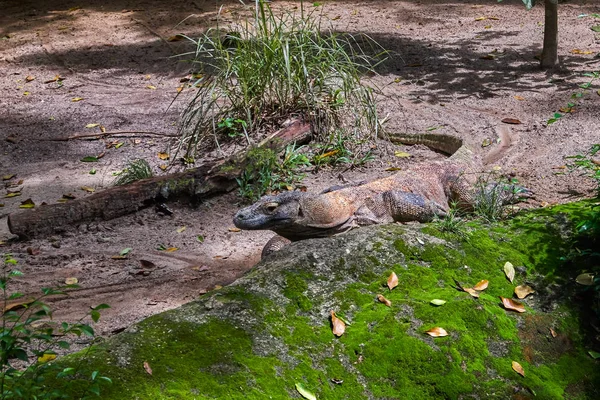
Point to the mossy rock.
(271, 329)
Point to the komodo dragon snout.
(270, 212)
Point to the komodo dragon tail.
(447, 144)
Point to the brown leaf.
(509, 270)
(383, 300)
(147, 368)
(175, 38)
(518, 368)
(338, 326)
(512, 121)
(511, 304)
(552, 332)
(18, 305)
(488, 57)
(163, 156)
(523, 291)
(392, 281)
(88, 189)
(437, 332)
(29, 78)
(234, 230)
(520, 98)
(482, 285)
(32, 251)
(147, 264)
(472, 292)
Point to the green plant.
(452, 222)
(494, 194)
(233, 127)
(134, 171)
(336, 151)
(587, 164)
(265, 173)
(28, 344)
(570, 106)
(263, 71)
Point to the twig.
(104, 134)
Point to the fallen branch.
(105, 134)
(199, 183)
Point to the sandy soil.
(439, 75)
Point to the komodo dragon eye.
(271, 206)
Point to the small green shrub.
(28, 343)
(134, 171)
(493, 196)
(337, 151)
(588, 165)
(453, 222)
(258, 73)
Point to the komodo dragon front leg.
(398, 206)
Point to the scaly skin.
(417, 194)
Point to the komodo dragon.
(417, 194)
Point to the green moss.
(295, 286)
(252, 344)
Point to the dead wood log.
(199, 183)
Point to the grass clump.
(134, 171)
(261, 72)
(28, 343)
(493, 196)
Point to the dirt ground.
(460, 66)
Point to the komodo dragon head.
(296, 215)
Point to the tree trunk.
(550, 50)
(117, 201)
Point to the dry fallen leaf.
(171, 249)
(523, 291)
(552, 332)
(150, 87)
(482, 285)
(437, 332)
(512, 121)
(76, 99)
(71, 281)
(29, 78)
(304, 392)
(383, 300)
(471, 291)
(509, 270)
(401, 154)
(518, 368)
(88, 189)
(27, 204)
(183, 228)
(511, 304)
(586, 279)
(163, 156)
(234, 230)
(338, 326)
(46, 357)
(147, 368)
(520, 98)
(392, 281)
